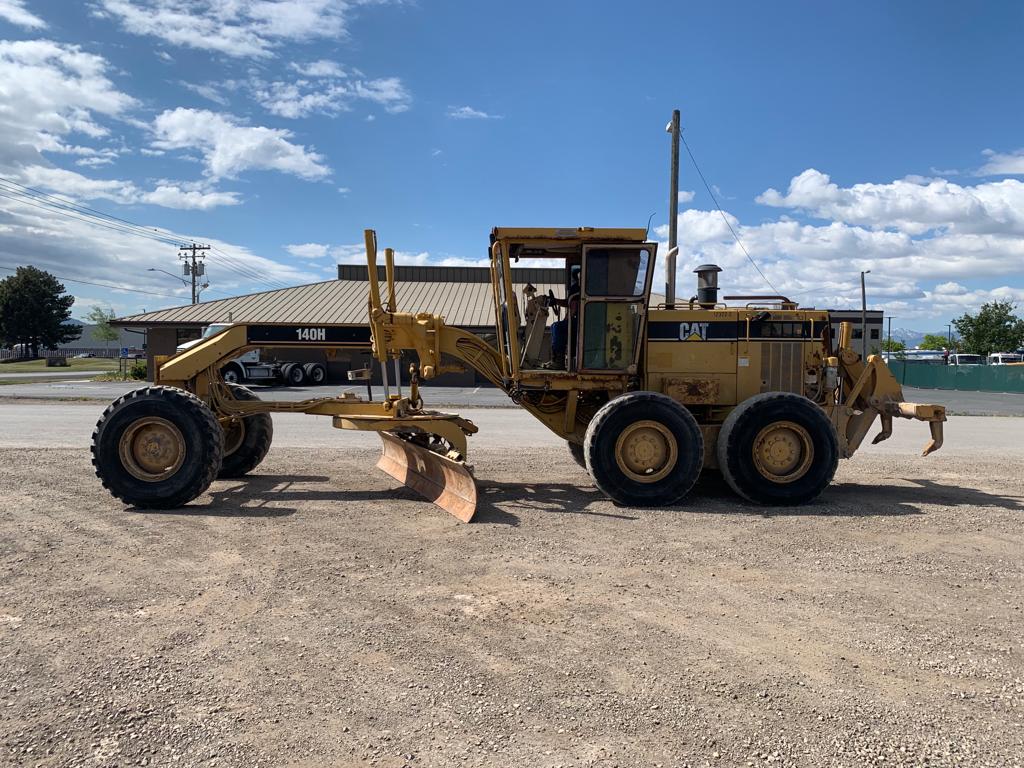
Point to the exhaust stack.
(707, 285)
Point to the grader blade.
(444, 481)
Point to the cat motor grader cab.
(645, 396)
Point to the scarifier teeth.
(447, 483)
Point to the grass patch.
(74, 363)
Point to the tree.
(994, 329)
(937, 341)
(103, 331)
(893, 345)
(34, 310)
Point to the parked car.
(84, 355)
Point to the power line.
(724, 217)
(52, 203)
(64, 202)
(103, 285)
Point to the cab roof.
(578, 234)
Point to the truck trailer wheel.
(157, 447)
(778, 448)
(644, 449)
(232, 374)
(294, 375)
(246, 440)
(316, 373)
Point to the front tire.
(778, 449)
(644, 449)
(157, 448)
(246, 440)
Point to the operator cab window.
(617, 271)
(615, 297)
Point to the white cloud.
(999, 164)
(917, 272)
(253, 28)
(329, 94)
(685, 196)
(207, 91)
(912, 205)
(308, 250)
(468, 113)
(14, 11)
(229, 148)
(319, 68)
(168, 194)
(184, 196)
(52, 90)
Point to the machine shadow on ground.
(500, 503)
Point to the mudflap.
(445, 481)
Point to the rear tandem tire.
(778, 449)
(248, 440)
(644, 449)
(294, 375)
(316, 373)
(157, 448)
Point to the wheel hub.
(152, 449)
(646, 451)
(783, 452)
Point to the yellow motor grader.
(645, 396)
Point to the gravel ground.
(316, 616)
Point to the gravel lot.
(315, 616)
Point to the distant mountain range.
(913, 338)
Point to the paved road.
(70, 425)
(50, 374)
(959, 403)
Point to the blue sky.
(841, 137)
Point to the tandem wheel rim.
(646, 451)
(783, 452)
(152, 449)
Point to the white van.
(1005, 358)
(961, 358)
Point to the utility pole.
(194, 266)
(863, 318)
(673, 213)
(949, 336)
(890, 335)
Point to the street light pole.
(673, 213)
(863, 317)
(890, 336)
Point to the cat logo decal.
(693, 331)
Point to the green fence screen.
(975, 378)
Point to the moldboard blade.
(449, 484)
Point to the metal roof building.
(462, 295)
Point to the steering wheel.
(552, 305)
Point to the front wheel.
(778, 448)
(157, 447)
(644, 449)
